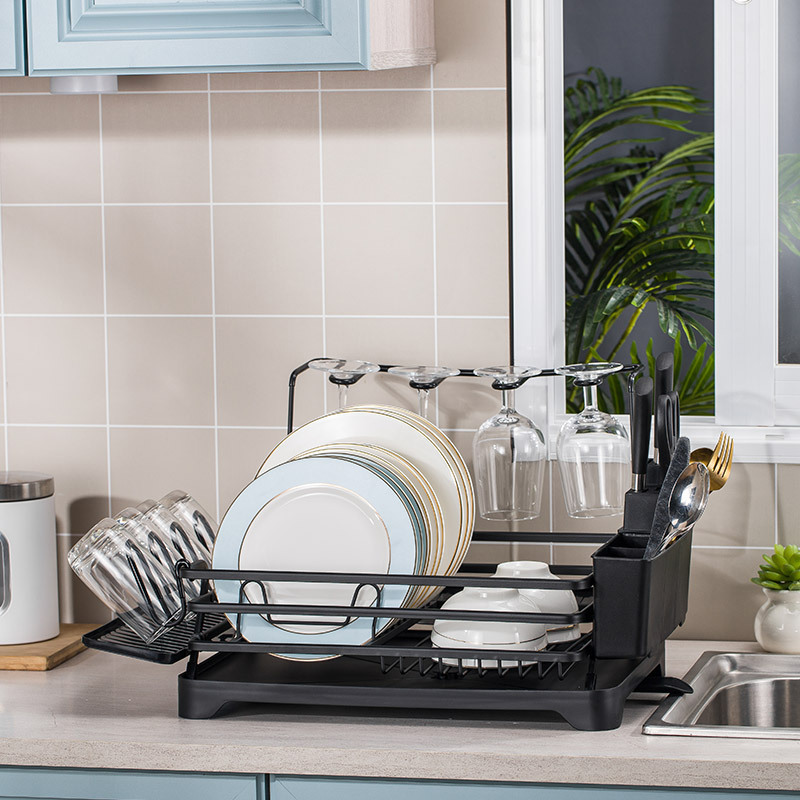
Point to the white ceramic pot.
(777, 625)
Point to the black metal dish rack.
(633, 604)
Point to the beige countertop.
(105, 711)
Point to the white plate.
(458, 549)
(316, 515)
(419, 486)
(375, 425)
(396, 482)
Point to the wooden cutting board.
(40, 656)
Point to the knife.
(676, 420)
(640, 431)
(665, 364)
(665, 429)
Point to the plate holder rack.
(632, 605)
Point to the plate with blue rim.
(319, 514)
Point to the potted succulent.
(777, 625)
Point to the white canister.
(28, 571)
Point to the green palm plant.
(639, 225)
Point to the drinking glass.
(343, 373)
(198, 526)
(509, 454)
(593, 450)
(122, 565)
(424, 380)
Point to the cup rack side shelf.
(632, 604)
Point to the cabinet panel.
(80, 784)
(291, 788)
(12, 49)
(152, 36)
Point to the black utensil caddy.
(627, 607)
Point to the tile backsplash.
(170, 253)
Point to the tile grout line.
(105, 296)
(247, 316)
(144, 426)
(283, 91)
(433, 238)
(3, 344)
(776, 497)
(260, 203)
(550, 490)
(324, 307)
(213, 300)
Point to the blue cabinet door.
(154, 36)
(12, 48)
(300, 788)
(102, 784)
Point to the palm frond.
(639, 225)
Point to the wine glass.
(424, 379)
(509, 454)
(593, 449)
(343, 373)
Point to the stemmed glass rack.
(627, 606)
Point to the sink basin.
(742, 695)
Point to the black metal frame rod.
(379, 612)
(631, 369)
(579, 584)
(368, 650)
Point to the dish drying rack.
(632, 604)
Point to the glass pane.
(789, 183)
(640, 194)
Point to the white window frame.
(759, 407)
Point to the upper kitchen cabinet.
(12, 49)
(72, 37)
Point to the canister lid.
(24, 486)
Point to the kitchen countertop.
(105, 711)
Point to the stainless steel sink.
(743, 695)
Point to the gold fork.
(719, 460)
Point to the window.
(757, 398)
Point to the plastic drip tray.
(736, 695)
(261, 678)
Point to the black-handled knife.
(665, 365)
(640, 430)
(676, 412)
(665, 429)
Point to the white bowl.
(549, 601)
(488, 635)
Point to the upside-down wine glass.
(593, 449)
(509, 454)
(343, 373)
(424, 380)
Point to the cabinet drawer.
(12, 49)
(291, 788)
(88, 784)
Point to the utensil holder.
(638, 602)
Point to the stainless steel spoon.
(687, 502)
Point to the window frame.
(759, 407)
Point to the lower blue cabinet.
(284, 787)
(29, 783)
(100, 784)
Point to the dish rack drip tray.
(371, 682)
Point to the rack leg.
(658, 682)
(195, 701)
